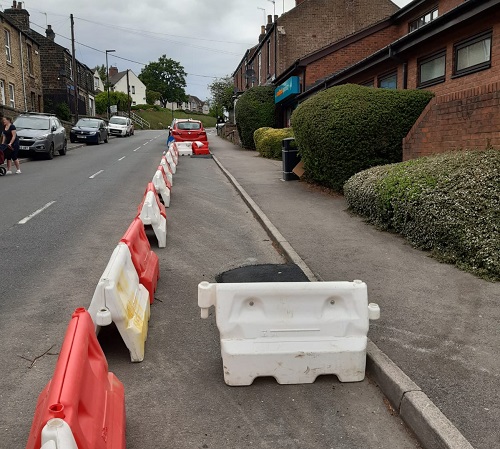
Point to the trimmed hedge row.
(254, 110)
(268, 141)
(348, 128)
(448, 204)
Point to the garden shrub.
(349, 128)
(448, 204)
(254, 110)
(268, 141)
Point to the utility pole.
(73, 62)
(128, 94)
(107, 77)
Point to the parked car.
(187, 130)
(89, 130)
(41, 134)
(120, 126)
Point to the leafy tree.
(121, 99)
(101, 70)
(152, 97)
(167, 77)
(222, 90)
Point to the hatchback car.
(41, 134)
(187, 130)
(89, 130)
(120, 126)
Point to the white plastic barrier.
(151, 215)
(57, 434)
(185, 148)
(161, 187)
(121, 299)
(174, 151)
(170, 160)
(293, 331)
(167, 169)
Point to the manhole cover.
(263, 273)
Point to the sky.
(207, 37)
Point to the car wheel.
(106, 139)
(72, 140)
(62, 151)
(50, 154)
(98, 139)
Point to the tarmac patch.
(263, 273)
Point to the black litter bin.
(290, 158)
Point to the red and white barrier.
(89, 400)
(162, 185)
(145, 261)
(167, 169)
(170, 160)
(185, 148)
(200, 148)
(152, 212)
(119, 298)
(292, 331)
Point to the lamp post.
(107, 77)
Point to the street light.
(263, 12)
(274, 7)
(107, 76)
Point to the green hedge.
(448, 204)
(254, 110)
(348, 128)
(268, 141)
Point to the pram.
(4, 153)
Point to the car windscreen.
(88, 123)
(40, 123)
(188, 125)
(118, 121)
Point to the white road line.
(121, 159)
(137, 149)
(29, 217)
(95, 174)
(144, 144)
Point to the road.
(60, 222)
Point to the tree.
(167, 77)
(152, 97)
(121, 99)
(222, 90)
(101, 71)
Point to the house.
(20, 70)
(58, 79)
(445, 46)
(193, 104)
(98, 84)
(127, 81)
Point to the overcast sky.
(208, 37)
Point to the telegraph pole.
(129, 96)
(73, 62)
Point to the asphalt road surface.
(60, 221)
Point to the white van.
(120, 126)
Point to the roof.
(115, 78)
(28, 33)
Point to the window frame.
(385, 76)
(416, 21)
(2, 92)
(268, 57)
(467, 43)
(8, 50)
(259, 64)
(29, 53)
(426, 59)
(12, 95)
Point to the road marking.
(137, 149)
(95, 174)
(121, 159)
(144, 144)
(29, 217)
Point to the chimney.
(18, 15)
(269, 22)
(113, 70)
(49, 32)
(275, 18)
(262, 33)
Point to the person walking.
(11, 139)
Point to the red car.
(187, 130)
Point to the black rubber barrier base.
(263, 273)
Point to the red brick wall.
(349, 55)
(466, 119)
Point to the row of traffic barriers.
(83, 405)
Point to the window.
(70, 69)
(388, 81)
(2, 91)
(133, 89)
(33, 101)
(8, 54)
(423, 20)
(473, 54)
(432, 69)
(260, 66)
(268, 57)
(368, 83)
(30, 58)
(12, 96)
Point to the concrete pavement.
(439, 324)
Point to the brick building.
(20, 70)
(57, 74)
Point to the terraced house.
(20, 70)
(450, 47)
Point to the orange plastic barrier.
(82, 392)
(165, 177)
(200, 148)
(151, 188)
(145, 261)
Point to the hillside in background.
(163, 118)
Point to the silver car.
(41, 134)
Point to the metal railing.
(137, 120)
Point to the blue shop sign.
(290, 87)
